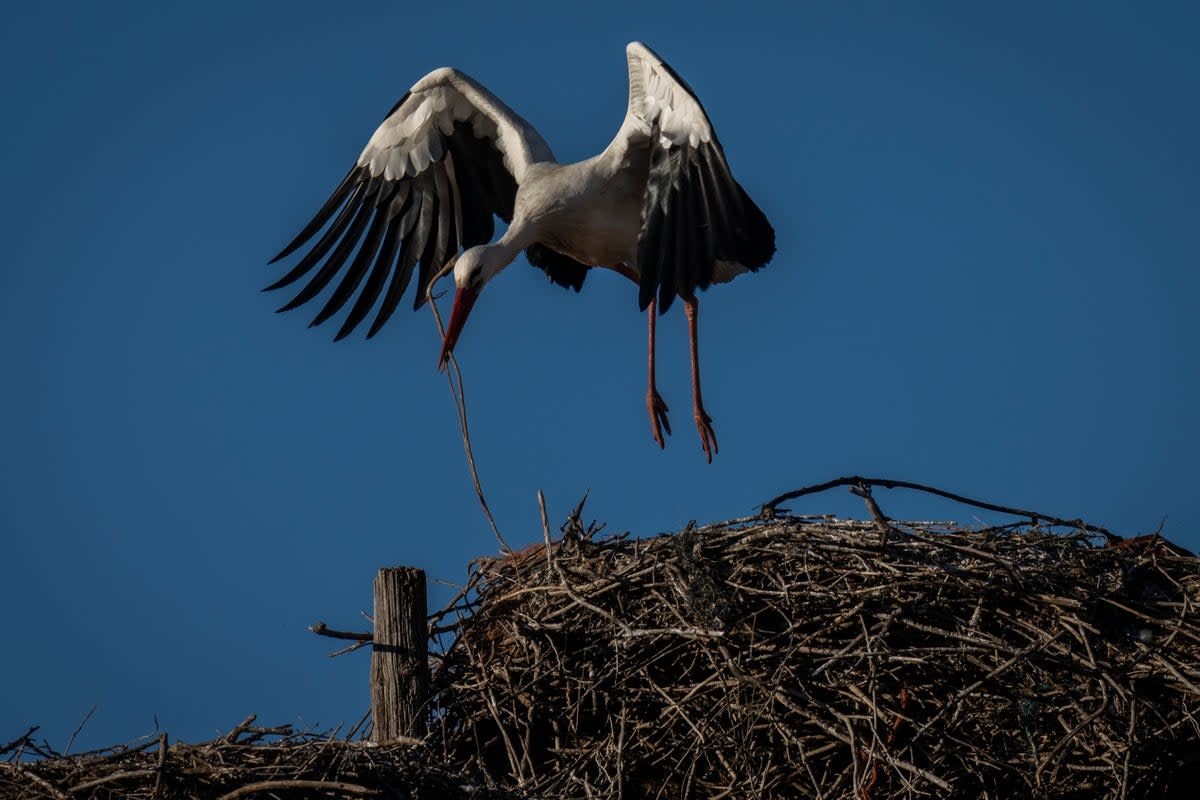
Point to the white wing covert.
(446, 159)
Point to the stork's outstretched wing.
(447, 158)
(698, 224)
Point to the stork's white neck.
(478, 265)
(502, 252)
(516, 238)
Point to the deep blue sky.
(986, 280)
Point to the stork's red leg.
(708, 437)
(654, 402)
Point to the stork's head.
(473, 269)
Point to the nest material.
(791, 657)
(248, 762)
(811, 657)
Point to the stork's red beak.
(464, 300)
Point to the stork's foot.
(708, 437)
(658, 416)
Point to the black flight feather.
(335, 260)
(312, 257)
(560, 269)
(427, 234)
(348, 184)
(379, 272)
(400, 278)
(653, 221)
(356, 271)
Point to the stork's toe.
(708, 437)
(658, 417)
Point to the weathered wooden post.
(399, 660)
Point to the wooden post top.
(399, 658)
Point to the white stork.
(658, 205)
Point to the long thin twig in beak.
(459, 393)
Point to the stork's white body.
(590, 211)
(659, 205)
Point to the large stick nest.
(771, 657)
(813, 657)
(247, 762)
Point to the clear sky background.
(987, 218)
